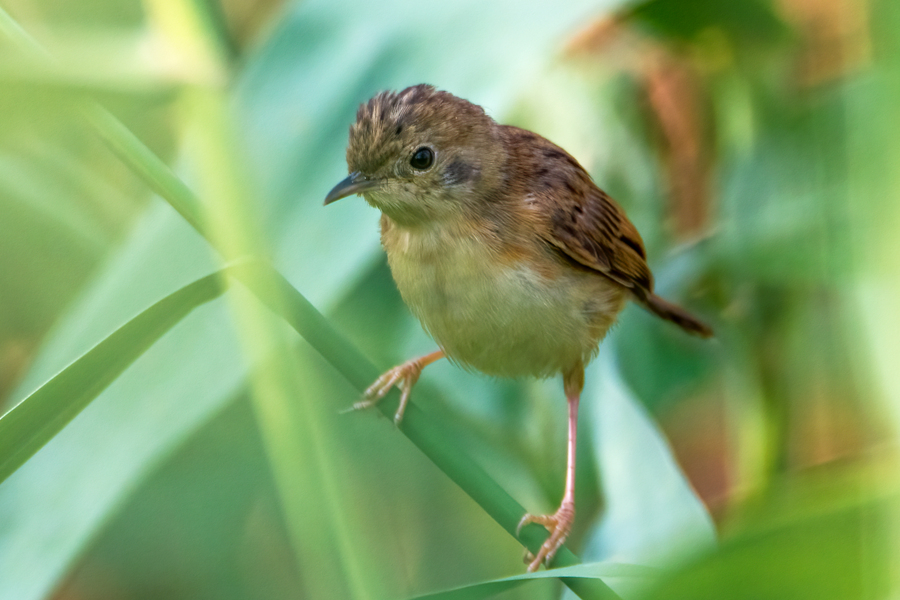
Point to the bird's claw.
(403, 376)
(558, 524)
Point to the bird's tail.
(671, 312)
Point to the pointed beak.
(355, 183)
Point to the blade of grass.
(35, 420)
(287, 416)
(12, 31)
(146, 164)
(597, 570)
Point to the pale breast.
(498, 316)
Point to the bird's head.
(421, 155)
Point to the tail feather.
(670, 312)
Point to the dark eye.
(422, 158)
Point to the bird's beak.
(355, 183)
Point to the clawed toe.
(383, 385)
(404, 377)
(558, 524)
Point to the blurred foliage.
(753, 144)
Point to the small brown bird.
(512, 258)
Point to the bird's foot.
(403, 376)
(558, 524)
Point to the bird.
(500, 243)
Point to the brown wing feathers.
(590, 228)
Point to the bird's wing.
(578, 218)
(590, 228)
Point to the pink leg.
(404, 376)
(560, 523)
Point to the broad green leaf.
(651, 515)
(829, 541)
(28, 426)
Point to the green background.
(754, 145)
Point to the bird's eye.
(422, 158)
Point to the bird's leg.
(403, 376)
(560, 523)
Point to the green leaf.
(66, 491)
(830, 541)
(598, 570)
(35, 420)
(651, 514)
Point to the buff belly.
(500, 317)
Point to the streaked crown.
(389, 124)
